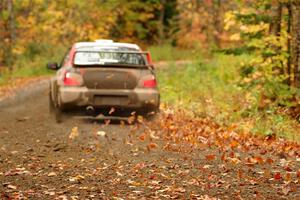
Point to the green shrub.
(168, 52)
(33, 62)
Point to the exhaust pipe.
(90, 110)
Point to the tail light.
(150, 83)
(70, 80)
(149, 59)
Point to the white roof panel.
(105, 44)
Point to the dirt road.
(40, 159)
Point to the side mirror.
(53, 66)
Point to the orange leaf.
(267, 173)
(223, 157)
(240, 174)
(142, 137)
(210, 157)
(152, 145)
(234, 144)
(259, 159)
(288, 177)
(298, 173)
(269, 161)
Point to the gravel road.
(40, 159)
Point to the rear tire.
(51, 104)
(58, 114)
(55, 110)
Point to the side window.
(65, 59)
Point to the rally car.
(104, 74)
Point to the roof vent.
(104, 41)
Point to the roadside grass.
(34, 69)
(210, 89)
(167, 52)
(28, 66)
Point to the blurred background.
(44, 28)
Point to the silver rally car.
(104, 74)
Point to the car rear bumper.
(144, 98)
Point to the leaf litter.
(175, 156)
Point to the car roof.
(105, 44)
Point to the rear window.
(109, 58)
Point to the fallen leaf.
(131, 119)
(63, 197)
(267, 173)
(142, 137)
(101, 133)
(269, 161)
(14, 152)
(112, 110)
(286, 190)
(253, 182)
(107, 122)
(235, 160)
(288, 177)
(119, 174)
(51, 193)
(277, 176)
(152, 145)
(152, 136)
(13, 187)
(76, 178)
(298, 173)
(74, 133)
(287, 168)
(206, 166)
(52, 174)
(181, 190)
(210, 157)
(140, 119)
(234, 144)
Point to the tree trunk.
(11, 34)
(217, 23)
(2, 35)
(289, 61)
(12, 28)
(161, 31)
(295, 55)
(275, 27)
